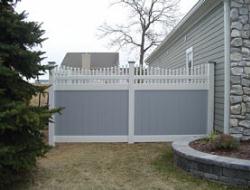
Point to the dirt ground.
(112, 167)
(241, 152)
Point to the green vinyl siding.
(207, 39)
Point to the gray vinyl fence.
(131, 104)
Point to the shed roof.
(98, 59)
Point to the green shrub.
(226, 142)
(221, 142)
(212, 136)
(21, 139)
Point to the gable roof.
(201, 8)
(97, 59)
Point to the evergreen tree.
(21, 139)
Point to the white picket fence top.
(197, 77)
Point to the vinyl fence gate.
(131, 104)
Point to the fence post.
(51, 106)
(210, 112)
(131, 99)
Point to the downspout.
(227, 65)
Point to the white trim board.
(90, 139)
(90, 87)
(150, 87)
(117, 139)
(227, 66)
(164, 138)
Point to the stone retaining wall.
(240, 69)
(217, 168)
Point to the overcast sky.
(71, 26)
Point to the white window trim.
(188, 51)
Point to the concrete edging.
(227, 170)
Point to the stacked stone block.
(231, 171)
(240, 69)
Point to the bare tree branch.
(121, 34)
(142, 29)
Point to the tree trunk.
(142, 48)
(141, 57)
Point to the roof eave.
(181, 23)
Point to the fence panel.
(92, 113)
(170, 112)
(131, 104)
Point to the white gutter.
(227, 66)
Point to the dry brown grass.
(112, 167)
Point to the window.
(189, 60)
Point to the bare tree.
(144, 28)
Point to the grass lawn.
(112, 167)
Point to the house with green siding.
(216, 32)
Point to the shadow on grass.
(23, 183)
(164, 164)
